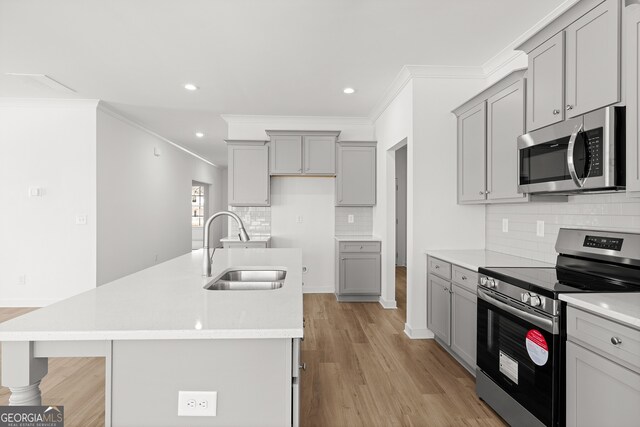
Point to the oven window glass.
(544, 162)
(502, 355)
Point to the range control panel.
(598, 242)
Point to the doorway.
(199, 212)
(401, 227)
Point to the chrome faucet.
(244, 237)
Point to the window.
(197, 206)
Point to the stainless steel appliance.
(586, 153)
(521, 335)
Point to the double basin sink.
(247, 280)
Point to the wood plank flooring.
(362, 370)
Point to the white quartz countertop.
(253, 239)
(356, 238)
(473, 259)
(167, 301)
(621, 307)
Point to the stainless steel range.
(521, 325)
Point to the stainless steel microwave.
(586, 153)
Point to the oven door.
(519, 349)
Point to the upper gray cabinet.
(574, 63)
(632, 46)
(545, 85)
(248, 173)
(303, 152)
(488, 127)
(286, 154)
(471, 154)
(356, 174)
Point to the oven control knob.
(483, 281)
(535, 301)
(491, 284)
(525, 297)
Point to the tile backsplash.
(615, 212)
(362, 224)
(257, 220)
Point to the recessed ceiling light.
(190, 86)
(348, 90)
(199, 134)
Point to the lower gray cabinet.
(451, 309)
(599, 391)
(358, 271)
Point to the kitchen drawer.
(245, 245)
(360, 247)
(600, 333)
(466, 278)
(440, 268)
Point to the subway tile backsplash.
(362, 224)
(615, 212)
(257, 220)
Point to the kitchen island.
(161, 332)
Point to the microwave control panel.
(599, 242)
(593, 142)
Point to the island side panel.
(251, 376)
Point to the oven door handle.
(548, 324)
(570, 160)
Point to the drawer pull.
(361, 247)
(437, 266)
(616, 341)
(464, 277)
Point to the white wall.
(144, 200)
(421, 112)
(49, 144)
(313, 200)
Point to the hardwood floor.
(362, 370)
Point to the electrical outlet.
(35, 192)
(81, 220)
(505, 225)
(197, 403)
(350, 219)
(540, 228)
(299, 219)
(22, 280)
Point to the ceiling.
(271, 57)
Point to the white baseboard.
(26, 302)
(388, 304)
(418, 334)
(318, 289)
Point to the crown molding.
(49, 102)
(108, 109)
(409, 72)
(301, 121)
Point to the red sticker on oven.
(537, 347)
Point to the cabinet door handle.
(569, 107)
(616, 341)
(437, 266)
(556, 112)
(464, 277)
(481, 193)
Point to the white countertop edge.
(251, 239)
(356, 238)
(612, 314)
(151, 335)
(474, 259)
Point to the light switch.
(81, 220)
(299, 219)
(35, 192)
(350, 219)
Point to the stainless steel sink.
(247, 280)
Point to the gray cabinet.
(303, 153)
(505, 122)
(356, 174)
(574, 63)
(593, 60)
(545, 84)
(451, 309)
(248, 173)
(463, 323)
(319, 155)
(357, 271)
(286, 154)
(472, 135)
(440, 308)
(632, 39)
